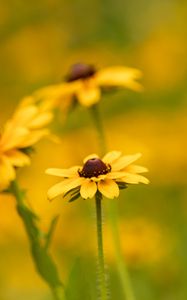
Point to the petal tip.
(47, 171)
(147, 181)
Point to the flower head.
(84, 84)
(23, 130)
(106, 176)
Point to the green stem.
(17, 193)
(99, 128)
(42, 259)
(58, 293)
(101, 263)
(122, 269)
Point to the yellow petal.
(116, 175)
(64, 186)
(90, 157)
(110, 157)
(99, 178)
(13, 137)
(7, 173)
(134, 179)
(18, 158)
(42, 120)
(24, 115)
(58, 90)
(55, 139)
(135, 86)
(136, 169)
(108, 188)
(71, 172)
(88, 94)
(33, 137)
(27, 101)
(47, 104)
(88, 189)
(60, 95)
(124, 161)
(48, 91)
(119, 77)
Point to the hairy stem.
(101, 263)
(122, 269)
(121, 266)
(99, 128)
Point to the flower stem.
(121, 266)
(101, 263)
(58, 293)
(99, 128)
(122, 269)
(43, 261)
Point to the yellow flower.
(26, 127)
(84, 84)
(106, 175)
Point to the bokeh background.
(39, 41)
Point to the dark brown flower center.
(80, 71)
(93, 168)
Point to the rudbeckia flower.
(106, 176)
(23, 130)
(84, 84)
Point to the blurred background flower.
(39, 41)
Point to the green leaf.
(29, 219)
(45, 265)
(79, 285)
(49, 235)
(28, 150)
(75, 197)
(42, 259)
(72, 192)
(122, 185)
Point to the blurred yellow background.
(39, 41)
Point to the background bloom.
(107, 176)
(84, 83)
(23, 130)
